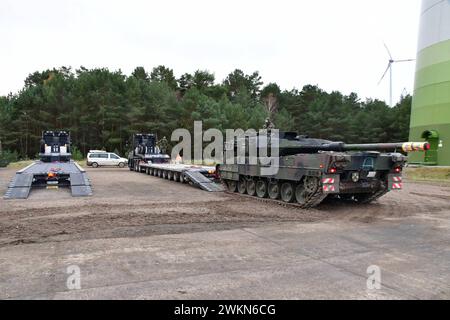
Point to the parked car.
(96, 158)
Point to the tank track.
(313, 200)
(375, 196)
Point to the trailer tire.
(176, 176)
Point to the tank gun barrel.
(342, 147)
(404, 146)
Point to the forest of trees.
(102, 108)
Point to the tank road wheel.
(261, 189)
(242, 186)
(176, 176)
(274, 190)
(170, 175)
(232, 185)
(287, 192)
(300, 193)
(251, 187)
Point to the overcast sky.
(335, 44)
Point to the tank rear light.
(398, 169)
(332, 170)
(426, 146)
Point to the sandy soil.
(128, 204)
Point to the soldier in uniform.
(268, 124)
(163, 145)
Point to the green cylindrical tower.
(430, 114)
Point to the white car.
(96, 158)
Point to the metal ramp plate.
(20, 186)
(80, 185)
(203, 182)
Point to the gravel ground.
(128, 205)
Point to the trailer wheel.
(160, 173)
(274, 190)
(261, 189)
(182, 178)
(176, 176)
(170, 175)
(232, 185)
(251, 187)
(165, 174)
(95, 165)
(287, 192)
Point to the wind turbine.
(389, 68)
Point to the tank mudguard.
(330, 183)
(395, 181)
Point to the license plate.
(371, 174)
(52, 187)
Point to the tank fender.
(330, 183)
(395, 181)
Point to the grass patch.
(428, 174)
(22, 164)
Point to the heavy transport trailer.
(49, 175)
(311, 170)
(203, 177)
(145, 150)
(146, 157)
(54, 170)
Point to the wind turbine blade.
(384, 74)
(406, 60)
(388, 51)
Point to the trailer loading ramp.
(198, 179)
(69, 173)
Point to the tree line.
(103, 108)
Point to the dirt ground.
(128, 205)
